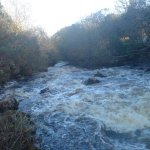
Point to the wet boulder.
(99, 74)
(8, 104)
(91, 81)
(44, 90)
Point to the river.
(111, 115)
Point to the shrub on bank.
(16, 131)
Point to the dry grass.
(16, 131)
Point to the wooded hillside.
(108, 39)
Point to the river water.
(111, 115)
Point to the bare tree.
(19, 11)
(122, 5)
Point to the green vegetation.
(108, 39)
(16, 131)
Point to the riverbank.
(16, 128)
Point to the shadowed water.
(111, 115)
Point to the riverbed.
(113, 114)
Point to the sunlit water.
(111, 115)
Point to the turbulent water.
(111, 115)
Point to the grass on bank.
(16, 131)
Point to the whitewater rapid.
(111, 115)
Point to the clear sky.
(53, 15)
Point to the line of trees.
(101, 39)
(22, 51)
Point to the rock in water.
(98, 74)
(44, 90)
(91, 81)
(8, 104)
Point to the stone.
(91, 81)
(8, 104)
(44, 90)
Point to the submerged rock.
(98, 74)
(8, 104)
(44, 90)
(91, 81)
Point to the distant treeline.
(103, 39)
(22, 52)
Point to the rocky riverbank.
(16, 128)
